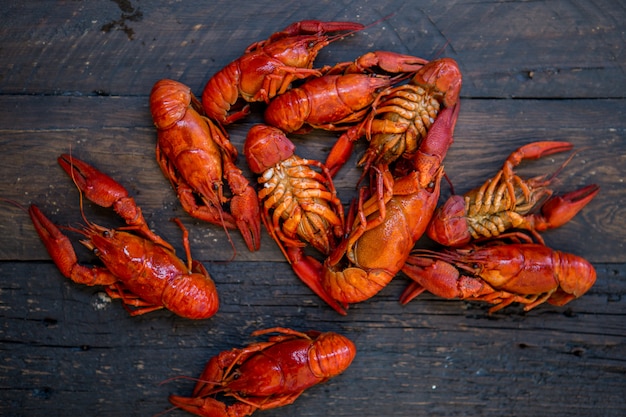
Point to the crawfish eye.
(475, 266)
(107, 233)
(96, 251)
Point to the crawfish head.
(266, 146)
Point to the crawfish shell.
(169, 101)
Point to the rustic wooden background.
(75, 75)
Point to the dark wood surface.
(76, 75)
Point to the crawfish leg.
(276, 84)
(220, 366)
(118, 291)
(188, 198)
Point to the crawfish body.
(394, 218)
(195, 154)
(270, 374)
(300, 204)
(144, 273)
(330, 102)
(342, 97)
(507, 202)
(501, 274)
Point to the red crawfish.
(394, 218)
(145, 273)
(266, 375)
(401, 117)
(300, 203)
(507, 202)
(196, 155)
(500, 274)
(342, 97)
(268, 68)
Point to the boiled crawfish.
(342, 97)
(401, 117)
(141, 270)
(265, 375)
(195, 154)
(300, 204)
(393, 218)
(507, 202)
(500, 274)
(268, 68)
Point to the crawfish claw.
(207, 407)
(210, 407)
(536, 150)
(312, 27)
(97, 187)
(106, 192)
(558, 210)
(245, 208)
(62, 253)
(57, 244)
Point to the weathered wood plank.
(75, 76)
(505, 49)
(84, 354)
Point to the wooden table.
(75, 76)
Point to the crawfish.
(393, 218)
(195, 154)
(400, 117)
(271, 374)
(500, 274)
(268, 68)
(337, 101)
(507, 201)
(300, 204)
(145, 273)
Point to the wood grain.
(75, 77)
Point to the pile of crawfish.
(406, 109)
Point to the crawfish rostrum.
(407, 108)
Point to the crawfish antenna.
(550, 177)
(382, 19)
(80, 192)
(164, 412)
(14, 203)
(352, 32)
(230, 240)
